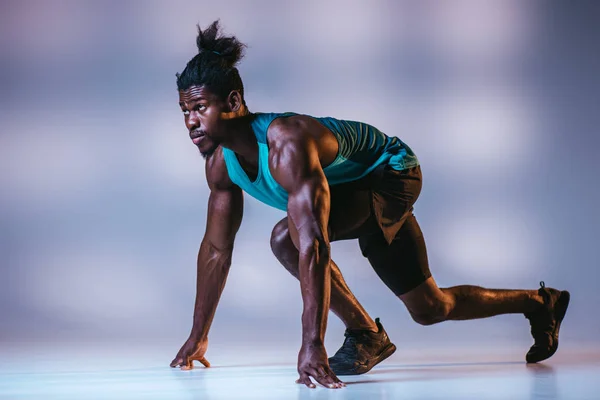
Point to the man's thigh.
(381, 201)
(402, 264)
(351, 212)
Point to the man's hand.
(191, 350)
(312, 362)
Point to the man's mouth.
(196, 137)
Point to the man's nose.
(193, 121)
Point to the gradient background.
(103, 197)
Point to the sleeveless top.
(362, 148)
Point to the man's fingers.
(305, 380)
(335, 378)
(204, 362)
(176, 362)
(189, 364)
(319, 375)
(328, 381)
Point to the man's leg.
(343, 303)
(545, 308)
(428, 304)
(367, 343)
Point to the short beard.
(206, 154)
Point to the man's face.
(202, 110)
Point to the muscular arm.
(225, 208)
(214, 257)
(295, 163)
(296, 166)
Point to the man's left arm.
(295, 165)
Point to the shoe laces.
(541, 319)
(353, 339)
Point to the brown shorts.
(388, 233)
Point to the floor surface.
(106, 375)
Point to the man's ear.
(234, 101)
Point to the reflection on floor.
(50, 375)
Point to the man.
(337, 180)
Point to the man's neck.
(243, 141)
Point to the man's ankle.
(363, 326)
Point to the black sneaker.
(361, 351)
(545, 323)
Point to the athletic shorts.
(389, 235)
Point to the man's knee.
(432, 312)
(283, 248)
(279, 237)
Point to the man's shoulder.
(286, 124)
(291, 133)
(295, 128)
(263, 121)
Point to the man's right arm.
(225, 210)
(214, 257)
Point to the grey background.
(103, 198)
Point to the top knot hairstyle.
(215, 64)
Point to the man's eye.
(200, 107)
(185, 112)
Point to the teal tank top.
(362, 148)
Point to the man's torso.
(361, 148)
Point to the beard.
(207, 153)
(207, 141)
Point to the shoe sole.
(560, 310)
(385, 353)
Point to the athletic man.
(336, 180)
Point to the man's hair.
(214, 65)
